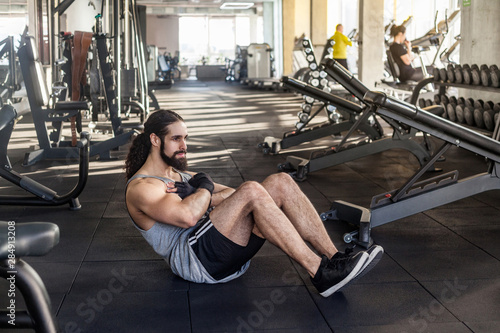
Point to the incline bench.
(349, 110)
(414, 197)
(401, 137)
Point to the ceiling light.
(236, 5)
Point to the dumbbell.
(478, 115)
(466, 74)
(421, 103)
(445, 112)
(478, 104)
(453, 99)
(496, 109)
(469, 102)
(303, 117)
(469, 115)
(435, 74)
(490, 110)
(476, 74)
(450, 73)
(495, 77)
(437, 99)
(450, 109)
(486, 75)
(458, 74)
(488, 105)
(445, 99)
(459, 112)
(429, 102)
(461, 101)
(443, 74)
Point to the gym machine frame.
(401, 137)
(10, 84)
(41, 195)
(51, 147)
(418, 196)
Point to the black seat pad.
(71, 105)
(30, 239)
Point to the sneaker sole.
(356, 270)
(375, 256)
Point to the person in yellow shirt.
(340, 47)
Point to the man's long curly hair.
(157, 123)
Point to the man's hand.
(183, 189)
(202, 180)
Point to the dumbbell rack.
(443, 86)
(316, 77)
(304, 130)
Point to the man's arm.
(150, 197)
(221, 193)
(347, 40)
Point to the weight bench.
(51, 145)
(418, 196)
(348, 109)
(341, 153)
(41, 195)
(17, 241)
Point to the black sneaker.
(375, 253)
(335, 273)
(343, 255)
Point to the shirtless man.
(208, 232)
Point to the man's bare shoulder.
(145, 187)
(146, 182)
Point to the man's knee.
(281, 181)
(253, 190)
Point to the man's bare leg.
(251, 205)
(300, 211)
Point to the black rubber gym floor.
(440, 273)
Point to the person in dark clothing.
(401, 52)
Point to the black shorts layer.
(220, 256)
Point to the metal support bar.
(420, 172)
(365, 114)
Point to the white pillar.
(480, 44)
(371, 41)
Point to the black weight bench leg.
(31, 287)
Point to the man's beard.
(180, 164)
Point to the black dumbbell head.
(437, 99)
(469, 102)
(478, 118)
(469, 115)
(488, 105)
(478, 104)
